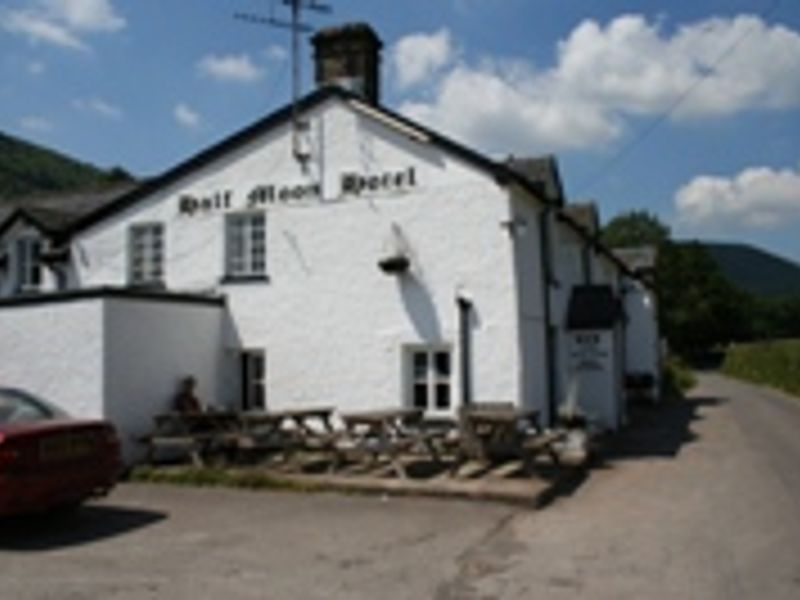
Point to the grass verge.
(773, 363)
(678, 378)
(251, 479)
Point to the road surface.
(700, 500)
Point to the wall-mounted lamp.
(516, 226)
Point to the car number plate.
(66, 447)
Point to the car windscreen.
(17, 406)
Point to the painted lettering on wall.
(189, 205)
(355, 183)
(262, 195)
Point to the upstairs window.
(29, 265)
(146, 247)
(246, 250)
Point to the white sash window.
(246, 250)
(146, 253)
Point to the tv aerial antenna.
(297, 27)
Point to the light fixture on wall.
(516, 226)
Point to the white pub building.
(333, 253)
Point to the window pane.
(258, 367)
(420, 395)
(146, 258)
(442, 395)
(443, 364)
(420, 366)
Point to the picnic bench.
(202, 435)
(492, 432)
(287, 430)
(197, 435)
(387, 433)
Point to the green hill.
(27, 169)
(755, 270)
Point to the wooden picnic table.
(388, 433)
(288, 430)
(495, 431)
(197, 434)
(491, 432)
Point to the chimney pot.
(349, 56)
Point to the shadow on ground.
(658, 431)
(85, 525)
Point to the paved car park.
(699, 501)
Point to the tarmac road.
(701, 500)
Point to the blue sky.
(690, 110)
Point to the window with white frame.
(28, 264)
(429, 372)
(146, 248)
(245, 242)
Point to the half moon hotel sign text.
(263, 195)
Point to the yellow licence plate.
(66, 447)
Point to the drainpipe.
(548, 280)
(465, 350)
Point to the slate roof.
(584, 214)
(543, 171)
(593, 307)
(56, 214)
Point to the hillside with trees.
(756, 271)
(701, 307)
(27, 169)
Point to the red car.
(47, 459)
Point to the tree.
(698, 308)
(635, 228)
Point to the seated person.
(186, 401)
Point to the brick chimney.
(349, 56)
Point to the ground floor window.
(429, 373)
(254, 374)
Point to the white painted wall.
(149, 347)
(55, 351)
(643, 347)
(332, 324)
(568, 258)
(113, 358)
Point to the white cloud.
(604, 75)
(276, 53)
(757, 197)
(632, 66)
(235, 68)
(419, 56)
(62, 22)
(186, 116)
(35, 124)
(38, 29)
(98, 107)
(85, 15)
